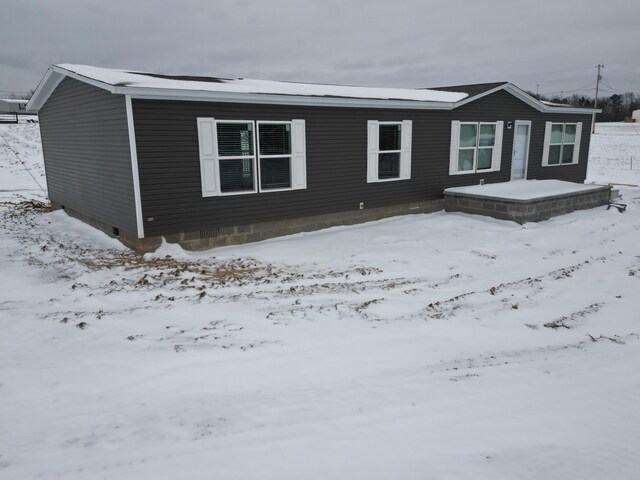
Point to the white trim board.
(134, 167)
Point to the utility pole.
(595, 103)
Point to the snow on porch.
(524, 190)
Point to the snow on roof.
(123, 78)
(552, 104)
(14, 100)
(523, 190)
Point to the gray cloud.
(410, 43)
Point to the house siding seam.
(86, 149)
(169, 168)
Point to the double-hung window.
(476, 147)
(245, 156)
(389, 151)
(561, 143)
(274, 142)
(236, 156)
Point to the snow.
(242, 85)
(444, 346)
(523, 189)
(614, 156)
(21, 175)
(553, 104)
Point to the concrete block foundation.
(218, 236)
(530, 210)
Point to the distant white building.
(12, 105)
(635, 116)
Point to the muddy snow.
(443, 346)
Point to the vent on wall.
(210, 232)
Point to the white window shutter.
(405, 150)
(576, 147)
(208, 148)
(496, 156)
(455, 143)
(545, 145)
(372, 151)
(299, 157)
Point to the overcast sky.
(412, 43)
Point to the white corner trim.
(134, 166)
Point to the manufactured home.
(207, 161)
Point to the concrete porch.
(525, 200)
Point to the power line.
(23, 164)
(606, 82)
(586, 87)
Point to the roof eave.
(56, 74)
(262, 98)
(51, 80)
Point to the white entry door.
(520, 156)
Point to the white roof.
(123, 78)
(523, 190)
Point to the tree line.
(616, 108)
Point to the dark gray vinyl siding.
(85, 142)
(167, 145)
(512, 109)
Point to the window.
(243, 156)
(561, 143)
(389, 151)
(236, 156)
(274, 140)
(476, 147)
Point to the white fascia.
(528, 99)
(52, 79)
(262, 98)
(44, 89)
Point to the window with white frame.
(476, 147)
(274, 143)
(244, 156)
(236, 156)
(561, 143)
(388, 151)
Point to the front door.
(520, 149)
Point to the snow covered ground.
(442, 346)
